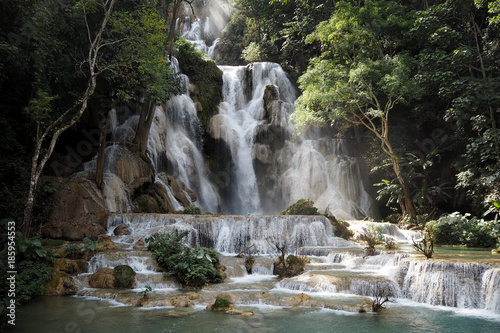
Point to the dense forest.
(415, 83)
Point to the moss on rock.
(205, 77)
(124, 276)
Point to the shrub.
(78, 251)
(221, 302)
(34, 267)
(193, 267)
(458, 229)
(426, 244)
(193, 210)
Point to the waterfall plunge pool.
(77, 314)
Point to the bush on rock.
(192, 267)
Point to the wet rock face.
(78, 212)
(61, 284)
(133, 169)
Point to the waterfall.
(234, 234)
(175, 143)
(237, 121)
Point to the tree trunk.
(171, 31)
(408, 204)
(144, 126)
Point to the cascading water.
(174, 146)
(233, 234)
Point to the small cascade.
(200, 32)
(236, 124)
(387, 231)
(451, 284)
(490, 290)
(140, 261)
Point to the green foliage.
(193, 210)
(252, 53)
(33, 265)
(426, 194)
(39, 109)
(203, 73)
(480, 173)
(139, 58)
(193, 267)
(80, 250)
(301, 207)
(146, 291)
(458, 229)
(221, 302)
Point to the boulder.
(60, 284)
(124, 276)
(122, 230)
(141, 244)
(107, 243)
(103, 278)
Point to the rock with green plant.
(205, 77)
(221, 304)
(82, 250)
